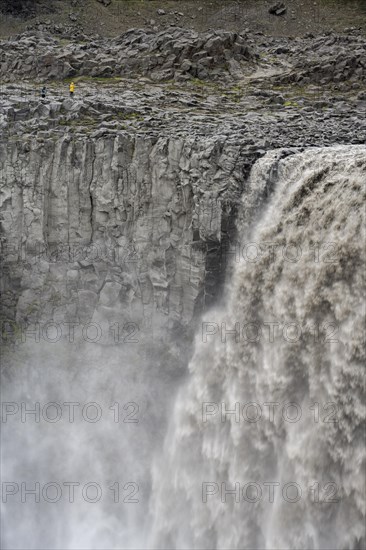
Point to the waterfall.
(265, 444)
(261, 444)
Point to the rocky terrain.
(119, 203)
(182, 54)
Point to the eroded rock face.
(115, 229)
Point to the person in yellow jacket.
(72, 89)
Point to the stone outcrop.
(161, 56)
(325, 60)
(181, 54)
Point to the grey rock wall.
(115, 229)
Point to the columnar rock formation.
(121, 226)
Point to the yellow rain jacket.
(72, 87)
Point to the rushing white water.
(303, 214)
(317, 205)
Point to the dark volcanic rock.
(278, 9)
(24, 8)
(161, 55)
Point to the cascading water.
(295, 303)
(297, 266)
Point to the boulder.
(278, 9)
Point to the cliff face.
(120, 228)
(118, 205)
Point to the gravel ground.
(91, 16)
